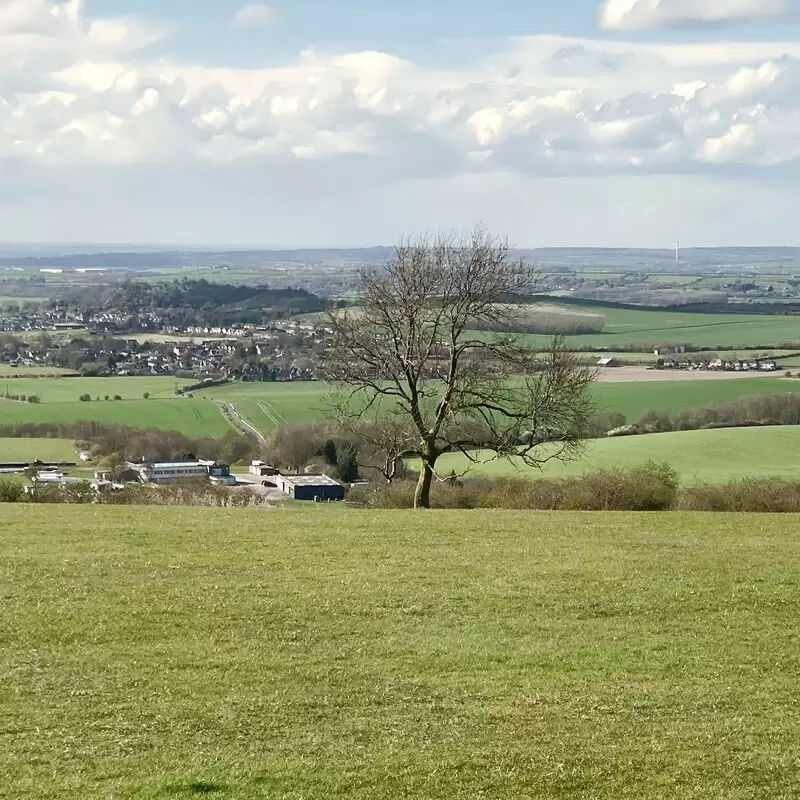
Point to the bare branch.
(414, 377)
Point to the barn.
(310, 487)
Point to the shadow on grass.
(193, 789)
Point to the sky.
(605, 123)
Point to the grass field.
(714, 456)
(634, 399)
(198, 418)
(43, 449)
(60, 403)
(266, 405)
(59, 390)
(7, 371)
(330, 653)
(630, 326)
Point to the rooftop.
(310, 480)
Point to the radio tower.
(677, 252)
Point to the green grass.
(197, 418)
(57, 390)
(713, 456)
(634, 399)
(330, 653)
(264, 405)
(632, 326)
(43, 449)
(59, 403)
(6, 370)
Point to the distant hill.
(141, 257)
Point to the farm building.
(169, 471)
(310, 487)
(607, 361)
(262, 469)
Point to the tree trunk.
(422, 494)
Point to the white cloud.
(644, 14)
(82, 93)
(255, 14)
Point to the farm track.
(243, 423)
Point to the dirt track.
(631, 374)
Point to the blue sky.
(420, 29)
(576, 122)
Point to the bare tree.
(426, 365)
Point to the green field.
(60, 390)
(634, 399)
(197, 418)
(7, 371)
(60, 403)
(713, 456)
(332, 653)
(42, 449)
(632, 326)
(265, 405)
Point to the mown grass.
(711, 456)
(336, 653)
(42, 449)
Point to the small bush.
(11, 491)
(118, 397)
(34, 398)
(750, 494)
(85, 398)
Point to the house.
(310, 487)
(607, 361)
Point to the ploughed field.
(329, 652)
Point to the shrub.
(651, 487)
(117, 397)
(771, 495)
(34, 398)
(11, 491)
(85, 398)
(146, 395)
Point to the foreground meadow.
(327, 652)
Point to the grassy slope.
(634, 399)
(59, 403)
(715, 456)
(265, 403)
(334, 653)
(192, 417)
(57, 390)
(43, 449)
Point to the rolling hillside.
(713, 456)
